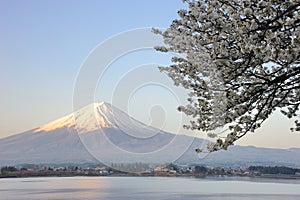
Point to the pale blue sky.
(44, 43)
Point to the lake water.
(117, 188)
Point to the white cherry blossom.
(240, 61)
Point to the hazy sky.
(45, 43)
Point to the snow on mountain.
(90, 118)
(67, 121)
(99, 116)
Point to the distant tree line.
(273, 170)
(211, 171)
(8, 169)
(130, 167)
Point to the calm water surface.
(117, 188)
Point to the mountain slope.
(97, 130)
(60, 146)
(101, 132)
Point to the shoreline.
(198, 176)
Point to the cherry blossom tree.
(239, 60)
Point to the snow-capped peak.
(91, 117)
(98, 116)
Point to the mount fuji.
(97, 132)
(102, 132)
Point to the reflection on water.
(148, 188)
(90, 188)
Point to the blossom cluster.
(240, 61)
